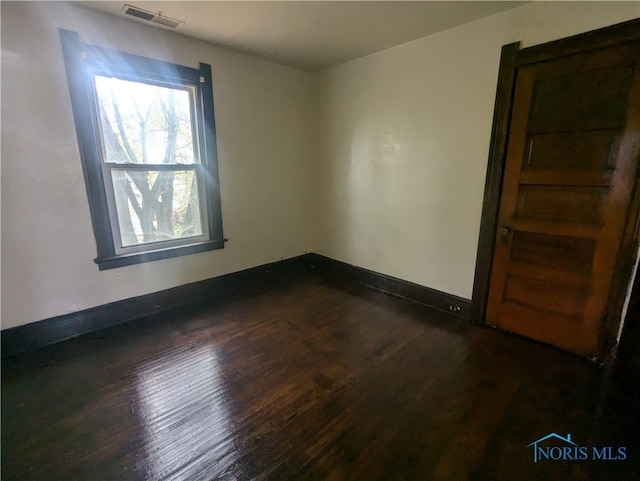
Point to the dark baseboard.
(432, 298)
(28, 337)
(31, 336)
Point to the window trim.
(82, 61)
(107, 173)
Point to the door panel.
(581, 205)
(560, 298)
(562, 151)
(575, 101)
(571, 164)
(567, 254)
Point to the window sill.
(155, 255)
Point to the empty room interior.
(299, 240)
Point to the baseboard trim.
(394, 286)
(38, 334)
(28, 337)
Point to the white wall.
(264, 114)
(405, 139)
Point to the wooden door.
(571, 161)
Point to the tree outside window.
(147, 136)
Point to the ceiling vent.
(151, 16)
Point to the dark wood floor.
(306, 380)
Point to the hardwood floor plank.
(304, 379)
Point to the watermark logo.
(556, 448)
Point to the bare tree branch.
(134, 201)
(154, 204)
(123, 135)
(126, 224)
(142, 122)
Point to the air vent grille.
(151, 16)
(167, 22)
(134, 12)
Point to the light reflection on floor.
(183, 405)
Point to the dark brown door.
(570, 170)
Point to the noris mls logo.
(555, 447)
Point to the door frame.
(511, 58)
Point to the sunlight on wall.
(265, 128)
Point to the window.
(146, 132)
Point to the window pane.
(143, 123)
(156, 206)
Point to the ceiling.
(311, 35)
